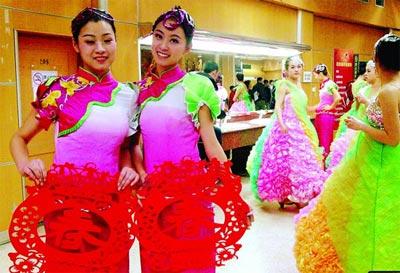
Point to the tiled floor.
(267, 246)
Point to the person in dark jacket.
(259, 95)
(210, 70)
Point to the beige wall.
(267, 69)
(126, 65)
(330, 34)
(247, 18)
(350, 10)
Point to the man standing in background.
(210, 70)
(259, 94)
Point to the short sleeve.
(133, 113)
(332, 88)
(200, 91)
(46, 103)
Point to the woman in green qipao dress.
(242, 99)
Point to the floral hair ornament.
(179, 16)
(389, 37)
(320, 68)
(371, 64)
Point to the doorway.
(41, 56)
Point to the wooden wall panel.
(273, 75)
(307, 30)
(10, 193)
(7, 73)
(9, 121)
(126, 64)
(307, 37)
(124, 10)
(350, 10)
(329, 34)
(248, 18)
(68, 8)
(33, 22)
(227, 68)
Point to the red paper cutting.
(90, 227)
(176, 217)
(89, 224)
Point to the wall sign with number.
(44, 61)
(39, 76)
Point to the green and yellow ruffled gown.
(354, 225)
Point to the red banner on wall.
(343, 71)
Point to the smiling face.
(168, 47)
(97, 46)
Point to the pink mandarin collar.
(82, 72)
(153, 85)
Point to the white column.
(103, 4)
(299, 39)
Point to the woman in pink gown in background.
(285, 164)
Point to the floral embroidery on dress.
(74, 84)
(70, 86)
(50, 99)
(374, 115)
(149, 81)
(83, 81)
(80, 90)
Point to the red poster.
(343, 69)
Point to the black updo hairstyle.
(362, 68)
(90, 15)
(182, 19)
(321, 68)
(387, 52)
(239, 76)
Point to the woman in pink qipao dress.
(176, 108)
(92, 112)
(345, 136)
(325, 119)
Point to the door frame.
(17, 33)
(19, 100)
